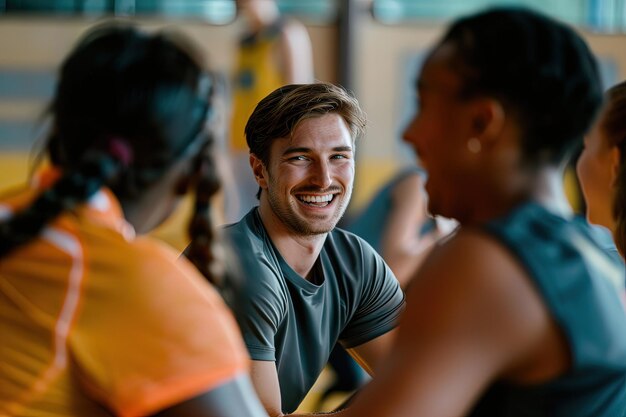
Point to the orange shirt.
(92, 316)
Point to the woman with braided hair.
(95, 318)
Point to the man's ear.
(488, 117)
(259, 171)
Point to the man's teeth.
(316, 198)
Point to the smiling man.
(308, 284)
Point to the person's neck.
(300, 252)
(543, 186)
(141, 215)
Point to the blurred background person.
(274, 51)
(97, 319)
(601, 168)
(397, 224)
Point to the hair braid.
(202, 250)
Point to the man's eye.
(340, 156)
(298, 158)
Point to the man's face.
(309, 177)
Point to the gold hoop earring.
(474, 145)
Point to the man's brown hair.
(278, 114)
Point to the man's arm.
(265, 377)
(265, 380)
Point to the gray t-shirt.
(352, 298)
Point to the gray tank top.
(582, 286)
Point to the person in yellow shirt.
(97, 319)
(273, 52)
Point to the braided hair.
(127, 106)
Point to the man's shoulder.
(345, 240)
(245, 233)
(351, 257)
(248, 241)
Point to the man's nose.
(322, 175)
